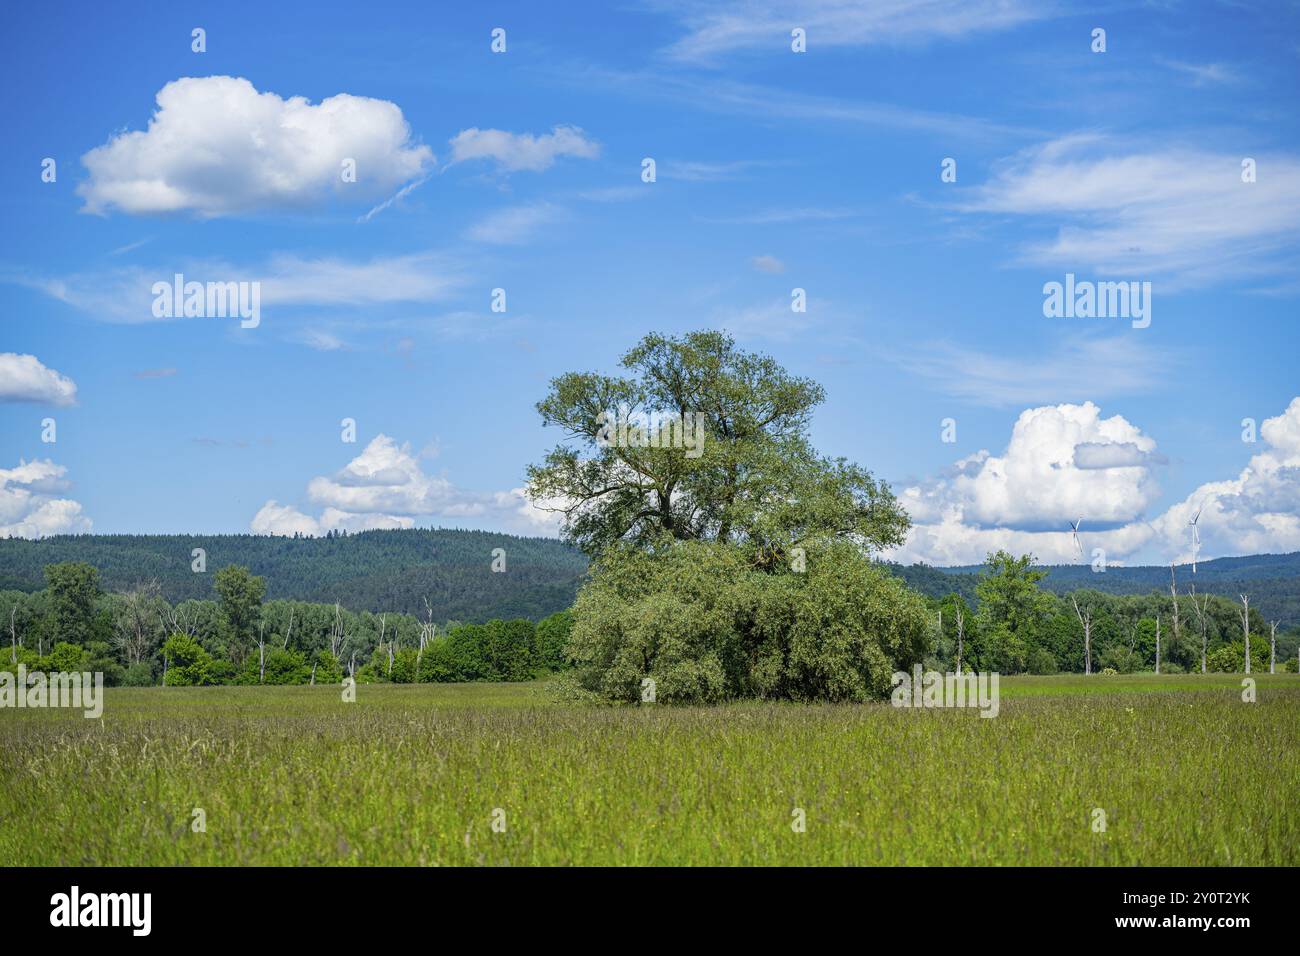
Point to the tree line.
(136, 637)
(382, 570)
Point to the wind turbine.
(1196, 534)
(1074, 535)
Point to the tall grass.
(413, 774)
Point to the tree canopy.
(755, 480)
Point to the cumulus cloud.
(216, 146)
(385, 487)
(513, 152)
(30, 506)
(1256, 512)
(1025, 498)
(24, 378)
(384, 479)
(769, 264)
(1065, 462)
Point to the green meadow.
(1184, 771)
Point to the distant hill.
(1271, 580)
(396, 570)
(372, 570)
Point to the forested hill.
(397, 570)
(372, 570)
(1271, 580)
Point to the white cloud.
(1179, 212)
(23, 378)
(385, 487)
(537, 518)
(217, 147)
(717, 28)
(1025, 498)
(125, 295)
(514, 225)
(294, 280)
(384, 479)
(769, 264)
(29, 506)
(513, 152)
(1256, 512)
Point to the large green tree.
(73, 589)
(241, 594)
(755, 480)
(1012, 610)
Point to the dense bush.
(704, 623)
(188, 664)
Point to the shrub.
(139, 675)
(706, 623)
(1231, 658)
(188, 664)
(1042, 661)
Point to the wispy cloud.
(1075, 370)
(718, 28)
(1174, 211)
(514, 225)
(1205, 74)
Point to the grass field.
(1185, 771)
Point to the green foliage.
(553, 640)
(72, 588)
(704, 623)
(753, 478)
(302, 780)
(375, 571)
(188, 664)
(1231, 658)
(241, 595)
(139, 675)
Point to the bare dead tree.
(176, 621)
(289, 630)
(961, 628)
(1272, 647)
(337, 635)
(1173, 593)
(133, 628)
(261, 652)
(1245, 626)
(427, 632)
(382, 628)
(1202, 620)
(1085, 618)
(1157, 643)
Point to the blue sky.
(775, 170)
